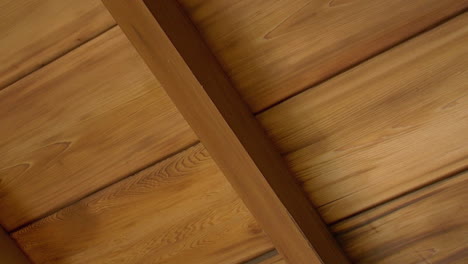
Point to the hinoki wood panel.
(277, 48)
(87, 120)
(390, 125)
(427, 226)
(181, 210)
(35, 32)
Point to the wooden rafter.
(177, 55)
(9, 251)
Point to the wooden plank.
(427, 226)
(35, 32)
(386, 127)
(181, 210)
(90, 118)
(176, 54)
(274, 49)
(9, 252)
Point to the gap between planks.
(422, 187)
(50, 213)
(60, 55)
(433, 26)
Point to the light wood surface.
(10, 253)
(427, 226)
(96, 115)
(196, 83)
(90, 118)
(390, 125)
(181, 210)
(275, 49)
(35, 32)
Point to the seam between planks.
(60, 55)
(258, 259)
(447, 177)
(51, 212)
(377, 53)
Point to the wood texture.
(427, 226)
(196, 83)
(9, 251)
(181, 210)
(390, 125)
(87, 120)
(35, 32)
(274, 49)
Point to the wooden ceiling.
(367, 102)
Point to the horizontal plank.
(181, 210)
(35, 32)
(390, 125)
(86, 120)
(10, 253)
(275, 49)
(427, 226)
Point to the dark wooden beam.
(9, 251)
(177, 55)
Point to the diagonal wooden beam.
(9, 251)
(177, 55)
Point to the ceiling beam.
(179, 58)
(9, 252)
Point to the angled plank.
(390, 125)
(274, 49)
(9, 251)
(35, 32)
(427, 226)
(86, 120)
(181, 210)
(174, 51)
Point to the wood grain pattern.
(88, 119)
(198, 86)
(35, 32)
(427, 226)
(181, 210)
(9, 251)
(390, 125)
(275, 49)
